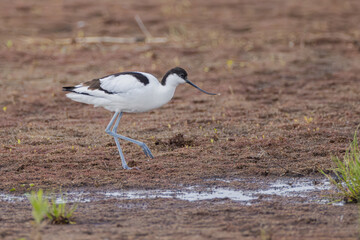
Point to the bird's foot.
(130, 168)
(126, 167)
(147, 151)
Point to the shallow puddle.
(5, 197)
(295, 188)
(302, 188)
(187, 194)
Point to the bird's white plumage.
(125, 93)
(124, 83)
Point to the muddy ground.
(288, 74)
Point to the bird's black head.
(178, 71)
(178, 76)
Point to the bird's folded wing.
(120, 84)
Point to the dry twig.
(142, 27)
(94, 40)
(103, 39)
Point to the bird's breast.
(148, 99)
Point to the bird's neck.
(166, 92)
(169, 89)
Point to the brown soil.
(288, 73)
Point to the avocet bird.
(130, 92)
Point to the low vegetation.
(60, 213)
(40, 206)
(56, 213)
(346, 174)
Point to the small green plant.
(265, 234)
(57, 213)
(39, 205)
(347, 172)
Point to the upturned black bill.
(199, 88)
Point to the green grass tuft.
(347, 172)
(57, 213)
(39, 205)
(60, 213)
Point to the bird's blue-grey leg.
(107, 130)
(141, 144)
